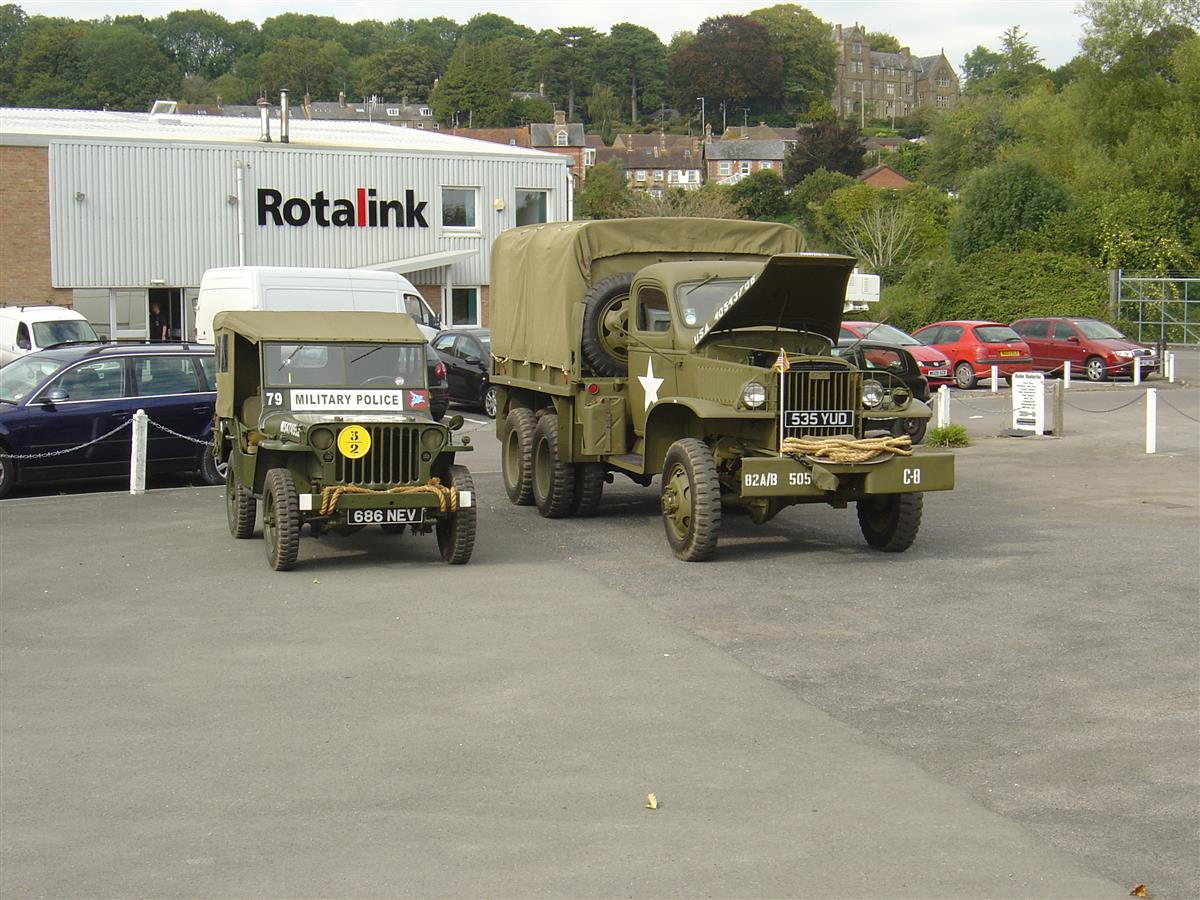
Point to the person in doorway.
(158, 322)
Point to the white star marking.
(650, 384)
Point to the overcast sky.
(927, 26)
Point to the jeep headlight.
(872, 394)
(321, 438)
(900, 397)
(433, 438)
(754, 395)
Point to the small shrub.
(948, 436)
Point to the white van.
(26, 329)
(280, 287)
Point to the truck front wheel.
(516, 456)
(890, 522)
(691, 500)
(553, 479)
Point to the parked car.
(439, 387)
(973, 347)
(897, 372)
(933, 365)
(27, 329)
(1091, 346)
(55, 400)
(467, 353)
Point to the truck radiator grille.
(394, 458)
(821, 402)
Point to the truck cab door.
(652, 371)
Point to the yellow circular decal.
(354, 441)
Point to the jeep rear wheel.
(890, 522)
(553, 479)
(516, 456)
(240, 507)
(456, 530)
(691, 500)
(281, 519)
(605, 324)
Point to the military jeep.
(325, 417)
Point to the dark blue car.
(64, 398)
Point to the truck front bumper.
(782, 476)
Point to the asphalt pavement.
(1008, 709)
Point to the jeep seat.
(251, 412)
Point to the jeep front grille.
(814, 389)
(394, 458)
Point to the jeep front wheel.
(553, 479)
(890, 522)
(691, 500)
(456, 530)
(516, 456)
(240, 507)
(281, 519)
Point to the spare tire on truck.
(605, 324)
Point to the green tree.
(534, 109)
(204, 43)
(907, 159)
(809, 56)
(397, 72)
(124, 69)
(732, 59)
(965, 138)
(304, 66)
(303, 26)
(475, 90)
(833, 146)
(1001, 203)
(979, 68)
(438, 35)
(760, 195)
(568, 60)
(604, 111)
(49, 71)
(1118, 29)
(12, 29)
(709, 202)
(634, 56)
(883, 41)
(605, 194)
(487, 27)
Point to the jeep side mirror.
(455, 422)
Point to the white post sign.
(1029, 402)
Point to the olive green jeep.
(325, 417)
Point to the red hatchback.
(933, 364)
(974, 347)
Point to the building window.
(560, 139)
(744, 168)
(693, 176)
(858, 68)
(942, 81)
(891, 89)
(908, 90)
(942, 102)
(589, 156)
(531, 207)
(723, 167)
(658, 176)
(856, 48)
(641, 174)
(858, 87)
(464, 307)
(673, 176)
(875, 71)
(766, 164)
(426, 111)
(458, 207)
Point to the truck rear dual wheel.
(281, 519)
(456, 530)
(516, 456)
(691, 500)
(240, 507)
(589, 487)
(553, 479)
(605, 324)
(890, 522)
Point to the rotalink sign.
(366, 210)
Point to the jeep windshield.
(383, 366)
(696, 301)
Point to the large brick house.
(884, 85)
(564, 138)
(655, 167)
(731, 161)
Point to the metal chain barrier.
(193, 440)
(957, 398)
(53, 453)
(1177, 409)
(1130, 402)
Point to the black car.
(439, 387)
(468, 353)
(58, 407)
(892, 366)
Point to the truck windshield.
(696, 301)
(344, 365)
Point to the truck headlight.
(321, 438)
(872, 394)
(754, 395)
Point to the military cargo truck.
(698, 351)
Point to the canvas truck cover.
(541, 272)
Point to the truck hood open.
(797, 291)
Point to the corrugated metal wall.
(126, 214)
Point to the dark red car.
(1092, 347)
(973, 347)
(933, 365)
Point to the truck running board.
(628, 462)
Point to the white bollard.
(943, 410)
(1067, 375)
(1169, 362)
(1151, 420)
(1137, 371)
(137, 456)
(995, 379)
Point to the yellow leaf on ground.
(651, 802)
(1138, 891)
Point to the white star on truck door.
(650, 384)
